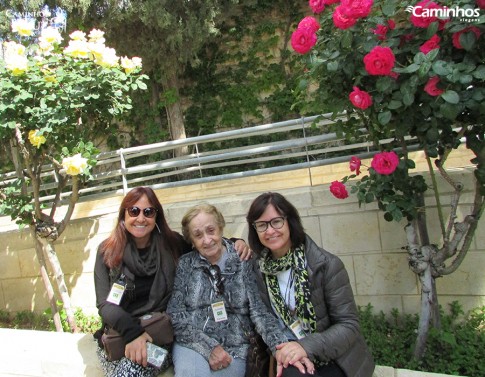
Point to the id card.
(116, 293)
(219, 310)
(155, 355)
(297, 329)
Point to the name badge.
(116, 293)
(219, 310)
(298, 329)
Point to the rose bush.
(413, 73)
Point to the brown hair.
(114, 246)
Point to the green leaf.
(332, 66)
(409, 69)
(384, 117)
(394, 105)
(442, 68)
(424, 69)
(142, 85)
(408, 98)
(451, 96)
(388, 217)
(480, 72)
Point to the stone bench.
(52, 354)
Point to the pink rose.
(317, 6)
(356, 8)
(338, 190)
(360, 98)
(303, 39)
(423, 21)
(456, 36)
(340, 20)
(431, 87)
(385, 163)
(355, 164)
(309, 22)
(330, 2)
(481, 4)
(379, 61)
(430, 44)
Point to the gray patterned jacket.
(191, 312)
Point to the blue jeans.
(188, 363)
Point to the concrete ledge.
(30, 353)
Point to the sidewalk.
(28, 353)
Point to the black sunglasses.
(148, 212)
(215, 276)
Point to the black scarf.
(156, 261)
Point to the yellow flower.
(127, 64)
(78, 35)
(74, 165)
(108, 58)
(77, 49)
(96, 49)
(18, 64)
(96, 36)
(50, 35)
(13, 48)
(136, 60)
(23, 27)
(36, 139)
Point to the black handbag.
(158, 325)
(258, 358)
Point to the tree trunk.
(39, 250)
(61, 284)
(170, 83)
(429, 304)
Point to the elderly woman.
(140, 255)
(308, 288)
(215, 302)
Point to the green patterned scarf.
(294, 259)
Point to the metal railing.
(276, 147)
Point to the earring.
(159, 231)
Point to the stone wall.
(371, 248)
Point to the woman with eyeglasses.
(309, 290)
(215, 303)
(139, 258)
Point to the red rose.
(355, 164)
(340, 20)
(379, 61)
(303, 39)
(381, 32)
(392, 24)
(456, 36)
(338, 190)
(317, 6)
(385, 163)
(430, 44)
(309, 22)
(481, 4)
(330, 2)
(421, 15)
(356, 8)
(360, 98)
(431, 87)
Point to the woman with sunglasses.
(140, 256)
(309, 290)
(215, 303)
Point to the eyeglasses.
(275, 222)
(215, 276)
(148, 212)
